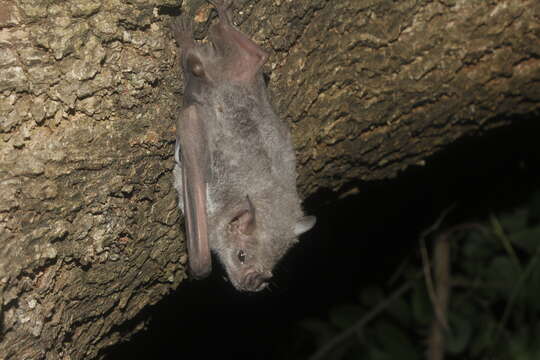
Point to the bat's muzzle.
(256, 281)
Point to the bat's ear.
(244, 222)
(304, 224)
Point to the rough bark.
(89, 231)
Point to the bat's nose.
(257, 281)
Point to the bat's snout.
(256, 281)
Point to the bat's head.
(251, 250)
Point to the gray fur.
(252, 204)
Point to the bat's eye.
(241, 256)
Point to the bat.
(235, 170)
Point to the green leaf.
(378, 354)
(533, 341)
(345, 316)
(502, 270)
(464, 307)
(512, 222)
(459, 334)
(483, 341)
(396, 342)
(527, 239)
(478, 245)
(421, 305)
(517, 348)
(532, 291)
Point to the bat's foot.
(223, 8)
(182, 30)
(224, 4)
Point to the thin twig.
(499, 232)
(439, 326)
(430, 287)
(440, 296)
(327, 348)
(426, 266)
(515, 291)
(437, 222)
(398, 273)
(433, 295)
(338, 339)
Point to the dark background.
(358, 241)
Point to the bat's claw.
(223, 4)
(223, 8)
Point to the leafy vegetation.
(493, 301)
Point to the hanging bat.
(235, 170)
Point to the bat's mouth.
(255, 281)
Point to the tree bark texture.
(89, 230)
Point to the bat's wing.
(191, 133)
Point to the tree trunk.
(89, 229)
